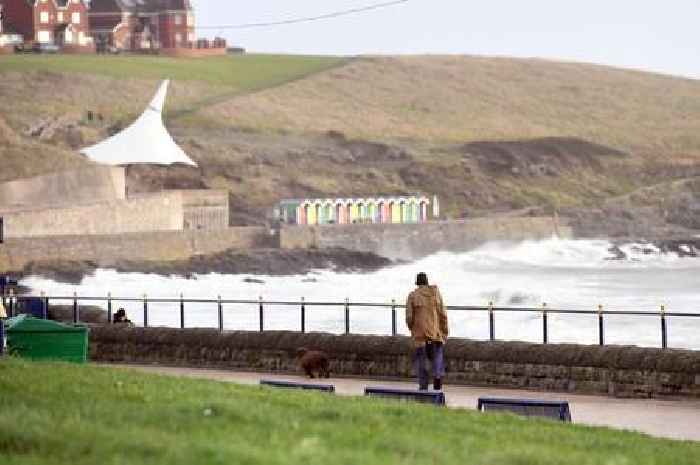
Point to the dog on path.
(313, 362)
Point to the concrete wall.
(87, 185)
(107, 250)
(401, 241)
(205, 209)
(157, 212)
(612, 370)
(162, 211)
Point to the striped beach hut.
(389, 209)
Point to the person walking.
(426, 318)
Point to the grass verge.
(245, 72)
(57, 413)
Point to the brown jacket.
(426, 316)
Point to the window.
(59, 16)
(190, 20)
(178, 20)
(190, 37)
(68, 36)
(76, 17)
(44, 17)
(43, 36)
(178, 38)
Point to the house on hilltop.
(163, 26)
(60, 22)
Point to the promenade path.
(675, 419)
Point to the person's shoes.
(437, 384)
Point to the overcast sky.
(644, 34)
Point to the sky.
(642, 34)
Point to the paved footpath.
(662, 418)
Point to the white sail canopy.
(146, 141)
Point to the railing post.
(109, 308)
(145, 311)
(347, 316)
(492, 323)
(44, 306)
(76, 310)
(262, 315)
(221, 314)
(601, 326)
(11, 310)
(664, 340)
(393, 317)
(303, 316)
(182, 311)
(545, 336)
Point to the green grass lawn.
(57, 413)
(242, 72)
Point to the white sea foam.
(562, 273)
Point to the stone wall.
(182, 52)
(149, 246)
(87, 185)
(413, 241)
(610, 370)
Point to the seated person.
(120, 317)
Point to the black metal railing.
(14, 303)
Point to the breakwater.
(621, 371)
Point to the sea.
(561, 274)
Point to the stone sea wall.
(610, 370)
(414, 241)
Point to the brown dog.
(313, 362)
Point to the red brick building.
(60, 22)
(143, 25)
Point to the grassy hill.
(485, 134)
(60, 414)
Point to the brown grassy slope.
(60, 101)
(273, 143)
(457, 99)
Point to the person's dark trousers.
(2, 337)
(433, 352)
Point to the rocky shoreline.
(279, 262)
(270, 262)
(683, 248)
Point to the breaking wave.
(578, 274)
